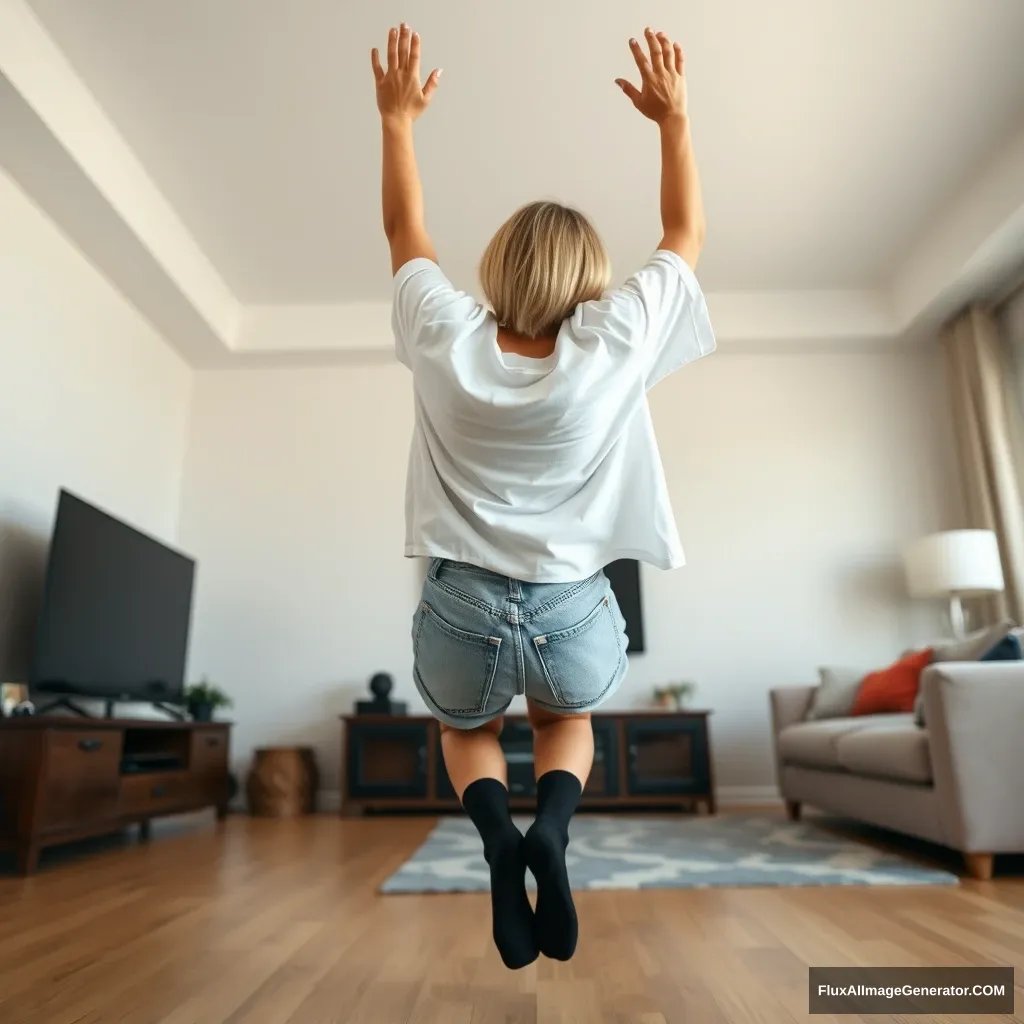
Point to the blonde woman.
(534, 465)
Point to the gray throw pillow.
(836, 693)
(973, 647)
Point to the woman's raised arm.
(662, 99)
(401, 99)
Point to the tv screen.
(116, 610)
(624, 576)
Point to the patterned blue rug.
(671, 853)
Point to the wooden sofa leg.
(793, 810)
(979, 865)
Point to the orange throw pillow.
(892, 689)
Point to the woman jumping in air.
(533, 466)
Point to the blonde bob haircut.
(540, 265)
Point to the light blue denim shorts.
(480, 639)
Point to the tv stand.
(63, 779)
(108, 709)
(68, 704)
(642, 759)
(167, 709)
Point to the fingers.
(679, 58)
(414, 55)
(431, 87)
(404, 43)
(393, 49)
(642, 63)
(629, 89)
(668, 57)
(654, 45)
(378, 71)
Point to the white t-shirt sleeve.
(426, 307)
(664, 308)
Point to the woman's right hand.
(662, 96)
(399, 93)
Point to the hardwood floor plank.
(967, 940)
(429, 1010)
(786, 975)
(280, 922)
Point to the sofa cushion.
(1008, 649)
(892, 689)
(895, 750)
(834, 696)
(974, 646)
(813, 744)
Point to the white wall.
(90, 399)
(796, 480)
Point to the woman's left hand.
(399, 93)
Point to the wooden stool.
(283, 782)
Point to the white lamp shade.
(963, 562)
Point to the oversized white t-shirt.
(544, 470)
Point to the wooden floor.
(279, 923)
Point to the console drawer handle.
(213, 741)
(159, 791)
(89, 745)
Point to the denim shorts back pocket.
(455, 668)
(580, 663)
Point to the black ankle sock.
(486, 803)
(556, 927)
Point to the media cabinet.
(64, 778)
(642, 760)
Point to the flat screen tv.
(624, 577)
(116, 609)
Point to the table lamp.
(954, 565)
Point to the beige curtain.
(987, 422)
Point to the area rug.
(608, 852)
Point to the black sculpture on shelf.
(381, 686)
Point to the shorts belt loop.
(515, 593)
(434, 568)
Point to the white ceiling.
(830, 133)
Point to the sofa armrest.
(789, 705)
(975, 721)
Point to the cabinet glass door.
(387, 759)
(667, 756)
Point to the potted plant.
(203, 699)
(674, 695)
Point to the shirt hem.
(676, 561)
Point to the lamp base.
(957, 619)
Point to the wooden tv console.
(64, 778)
(642, 760)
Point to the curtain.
(987, 424)
(1010, 318)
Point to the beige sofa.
(957, 781)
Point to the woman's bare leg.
(564, 742)
(471, 754)
(563, 753)
(479, 773)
